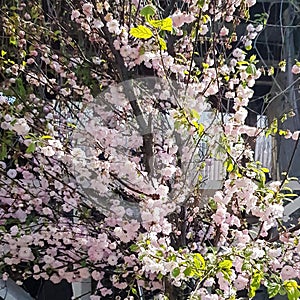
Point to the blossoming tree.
(105, 151)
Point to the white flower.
(12, 173)
(259, 28)
(203, 29)
(125, 51)
(98, 24)
(250, 28)
(241, 115)
(21, 127)
(168, 171)
(47, 151)
(113, 26)
(238, 53)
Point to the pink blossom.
(87, 9)
(96, 275)
(168, 171)
(125, 51)
(105, 292)
(177, 19)
(75, 14)
(55, 279)
(251, 2)
(295, 135)
(296, 69)
(241, 282)
(220, 216)
(209, 282)
(25, 254)
(5, 276)
(84, 273)
(224, 31)
(288, 272)
(259, 28)
(112, 260)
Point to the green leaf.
(163, 44)
(134, 248)
(200, 3)
(141, 32)
(47, 137)
(3, 153)
(148, 10)
(175, 272)
(188, 272)
(251, 69)
(20, 87)
(273, 289)
(31, 148)
(3, 53)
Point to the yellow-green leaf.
(195, 114)
(165, 24)
(199, 261)
(141, 32)
(156, 23)
(13, 40)
(225, 264)
(3, 53)
(292, 289)
(163, 44)
(252, 58)
(47, 137)
(255, 283)
(201, 129)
